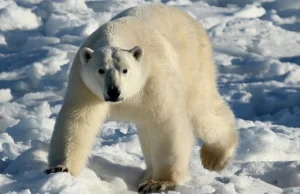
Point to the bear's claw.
(150, 186)
(213, 158)
(58, 168)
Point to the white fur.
(169, 91)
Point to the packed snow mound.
(5, 95)
(256, 44)
(14, 17)
(250, 11)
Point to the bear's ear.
(137, 52)
(85, 55)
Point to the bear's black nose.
(113, 93)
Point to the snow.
(10, 18)
(250, 11)
(257, 50)
(287, 4)
(5, 95)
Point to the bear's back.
(179, 28)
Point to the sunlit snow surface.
(257, 50)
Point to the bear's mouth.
(114, 100)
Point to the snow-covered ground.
(257, 49)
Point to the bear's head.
(111, 73)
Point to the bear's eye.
(101, 71)
(125, 71)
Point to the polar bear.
(151, 65)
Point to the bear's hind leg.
(214, 123)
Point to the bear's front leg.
(75, 130)
(171, 144)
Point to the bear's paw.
(214, 158)
(150, 186)
(55, 169)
